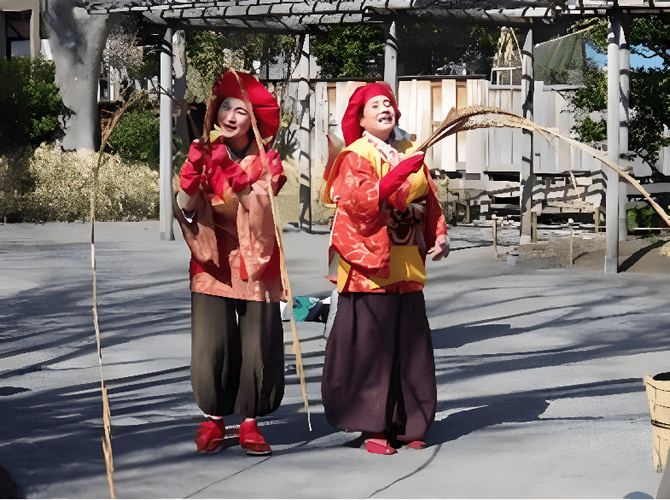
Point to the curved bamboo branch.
(475, 117)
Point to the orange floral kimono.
(381, 249)
(234, 252)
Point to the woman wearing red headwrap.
(379, 371)
(237, 350)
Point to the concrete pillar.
(527, 176)
(624, 116)
(165, 153)
(391, 56)
(612, 197)
(34, 30)
(304, 138)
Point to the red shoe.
(417, 445)
(379, 447)
(252, 440)
(210, 436)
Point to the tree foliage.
(126, 52)
(137, 137)
(424, 48)
(434, 47)
(29, 101)
(208, 52)
(649, 89)
(349, 51)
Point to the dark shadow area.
(8, 487)
(458, 336)
(633, 259)
(638, 494)
(511, 409)
(316, 228)
(517, 408)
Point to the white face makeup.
(378, 117)
(233, 119)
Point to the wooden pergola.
(540, 17)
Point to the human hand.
(196, 155)
(413, 163)
(394, 179)
(190, 175)
(441, 248)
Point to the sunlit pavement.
(539, 373)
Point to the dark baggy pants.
(237, 360)
(379, 370)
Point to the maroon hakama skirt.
(379, 369)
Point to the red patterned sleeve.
(359, 229)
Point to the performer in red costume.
(379, 371)
(225, 211)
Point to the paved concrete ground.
(539, 378)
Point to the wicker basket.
(658, 392)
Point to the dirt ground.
(288, 203)
(636, 254)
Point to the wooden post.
(533, 227)
(494, 218)
(572, 233)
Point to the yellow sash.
(406, 265)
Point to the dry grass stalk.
(280, 243)
(106, 415)
(475, 117)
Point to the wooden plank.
(448, 160)
(321, 119)
(424, 121)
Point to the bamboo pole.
(106, 414)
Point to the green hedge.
(137, 137)
(29, 101)
(643, 216)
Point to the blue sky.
(635, 60)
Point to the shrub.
(643, 216)
(137, 137)
(29, 101)
(16, 181)
(127, 191)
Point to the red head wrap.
(265, 106)
(351, 128)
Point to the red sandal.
(210, 436)
(417, 445)
(252, 440)
(379, 447)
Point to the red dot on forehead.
(387, 102)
